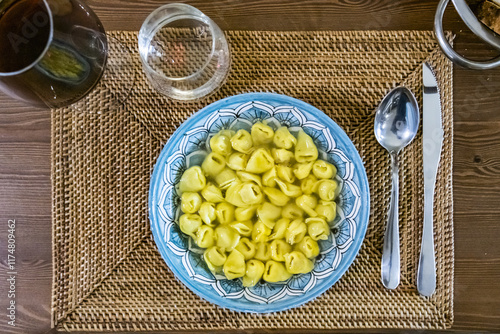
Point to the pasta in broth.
(259, 203)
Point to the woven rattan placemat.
(108, 274)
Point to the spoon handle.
(390, 253)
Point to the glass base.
(115, 84)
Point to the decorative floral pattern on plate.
(186, 148)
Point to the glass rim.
(143, 36)
(42, 54)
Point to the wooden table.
(25, 194)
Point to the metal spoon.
(396, 124)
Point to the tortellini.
(308, 246)
(226, 178)
(282, 156)
(278, 249)
(288, 188)
(207, 213)
(280, 228)
(284, 139)
(326, 189)
(237, 161)
(226, 237)
(298, 263)
(263, 251)
(305, 151)
(269, 177)
(215, 258)
(260, 161)
(244, 194)
(224, 213)
(303, 170)
(260, 203)
(243, 214)
(244, 228)
(205, 236)
(190, 223)
(276, 196)
(327, 210)
(323, 170)
(213, 164)
(292, 211)
(190, 202)
(309, 184)
(285, 173)
(268, 213)
(276, 272)
(261, 232)
(242, 142)
(317, 228)
(221, 144)
(262, 133)
(296, 232)
(235, 266)
(244, 177)
(192, 179)
(246, 247)
(254, 272)
(308, 204)
(212, 194)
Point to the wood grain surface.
(25, 151)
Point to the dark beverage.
(52, 56)
(21, 41)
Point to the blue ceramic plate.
(186, 148)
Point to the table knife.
(432, 144)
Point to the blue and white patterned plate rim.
(271, 99)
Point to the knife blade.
(432, 140)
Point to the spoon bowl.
(396, 124)
(397, 119)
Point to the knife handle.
(390, 253)
(426, 274)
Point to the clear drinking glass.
(184, 54)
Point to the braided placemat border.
(108, 274)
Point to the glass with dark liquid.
(52, 52)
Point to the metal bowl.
(476, 26)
